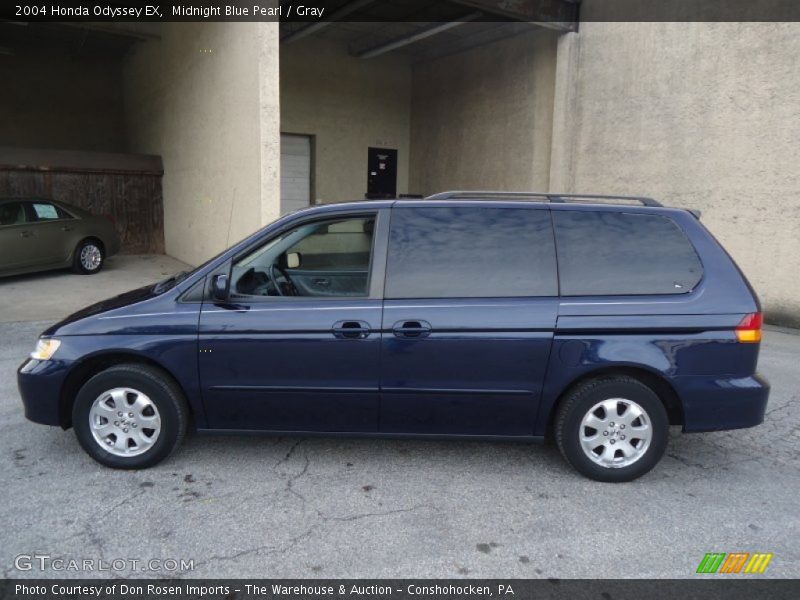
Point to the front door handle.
(412, 329)
(25, 233)
(351, 330)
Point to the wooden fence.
(126, 187)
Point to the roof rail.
(541, 197)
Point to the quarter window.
(465, 252)
(616, 253)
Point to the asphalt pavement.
(290, 507)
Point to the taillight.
(749, 328)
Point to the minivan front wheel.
(612, 429)
(130, 416)
(124, 421)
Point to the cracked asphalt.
(287, 507)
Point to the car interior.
(319, 259)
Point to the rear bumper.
(39, 384)
(717, 404)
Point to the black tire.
(156, 387)
(83, 267)
(577, 404)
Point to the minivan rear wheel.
(612, 429)
(130, 416)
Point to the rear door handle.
(25, 233)
(351, 330)
(412, 329)
(66, 228)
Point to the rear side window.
(616, 253)
(465, 252)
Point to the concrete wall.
(347, 104)
(204, 97)
(482, 119)
(704, 115)
(54, 100)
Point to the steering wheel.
(273, 268)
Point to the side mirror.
(220, 287)
(293, 260)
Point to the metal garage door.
(295, 172)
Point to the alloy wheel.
(124, 421)
(91, 257)
(615, 433)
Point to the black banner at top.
(566, 13)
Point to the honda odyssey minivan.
(595, 321)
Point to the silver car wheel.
(615, 433)
(91, 257)
(124, 422)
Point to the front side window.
(321, 259)
(617, 253)
(12, 213)
(470, 252)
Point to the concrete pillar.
(205, 97)
(270, 120)
(565, 104)
(698, 115)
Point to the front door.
(297, 345)
(470, 309)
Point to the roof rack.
(542, 197)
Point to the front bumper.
(40, 383)
(717, 404)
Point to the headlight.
(45, 348)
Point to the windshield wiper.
(170, 282)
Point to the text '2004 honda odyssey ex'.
(597, 320)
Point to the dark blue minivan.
(595, 321)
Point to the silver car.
(38, 234)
